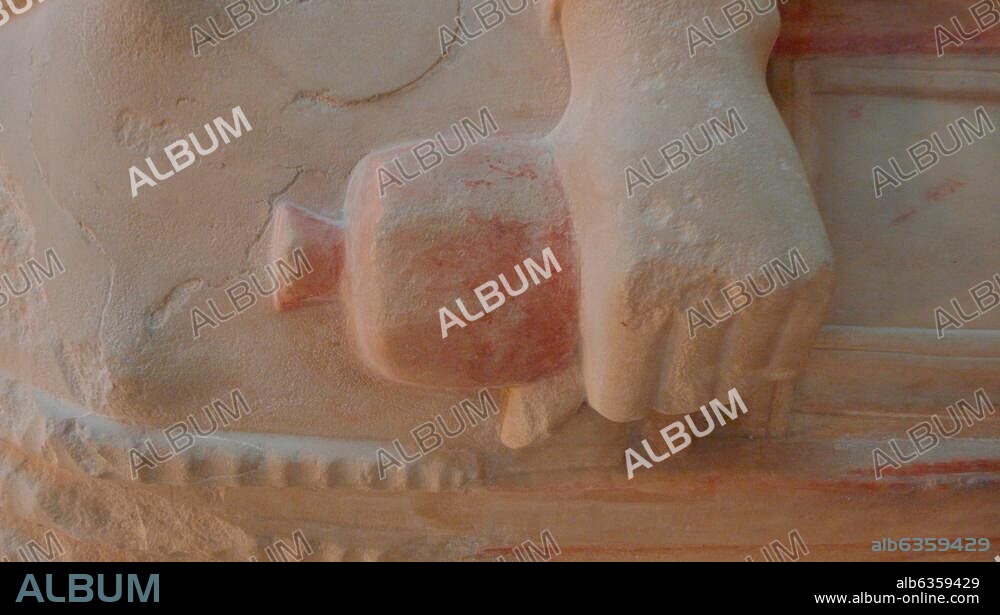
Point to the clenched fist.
(682, 181)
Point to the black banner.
(956, 587)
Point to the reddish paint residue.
(322, 243)
(933, 195)
(857, 486)
(530, 336)
(855, 111)
(949, 467)
(475, 183)
(845, 44)
(941, 468)
(873, 27)
(525, 170)
(903, 217)
(947, 188)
